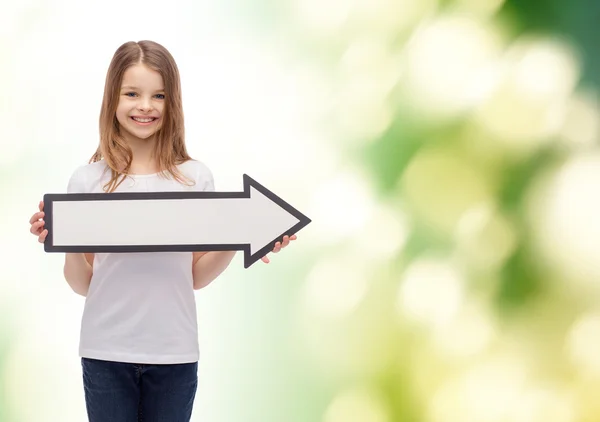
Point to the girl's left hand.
(279, 246)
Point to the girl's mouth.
(144, 121)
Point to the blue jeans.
(127, 392)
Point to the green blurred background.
(447, 152)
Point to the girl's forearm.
(210, 266)
(78, 272)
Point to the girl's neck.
(143, 160)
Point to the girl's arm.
(207, 266)
(78, 271)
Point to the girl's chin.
(141, 135)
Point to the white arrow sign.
(252, 221)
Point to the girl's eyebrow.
(135, 88)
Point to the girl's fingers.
(36, 217)
(36, 227)
(279, 245)
(37, 224)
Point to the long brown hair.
(170, 147)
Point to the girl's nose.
(145, 105)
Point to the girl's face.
(141, 103)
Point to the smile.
(143, 120)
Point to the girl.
(139, 340)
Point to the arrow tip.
(294, 222)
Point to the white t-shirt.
(140, 307)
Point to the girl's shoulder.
(94, 169)
(199, 173)
(85, 175)
(196, 169)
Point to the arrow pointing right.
(252, 221)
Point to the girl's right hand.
(37, 224)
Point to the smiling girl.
(139, 339)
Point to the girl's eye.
(133, 94)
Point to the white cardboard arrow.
(252, 221)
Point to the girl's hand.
(37, 224)
(279, 246)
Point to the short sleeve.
(205, 181)
(77, 182)
(209, 184)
